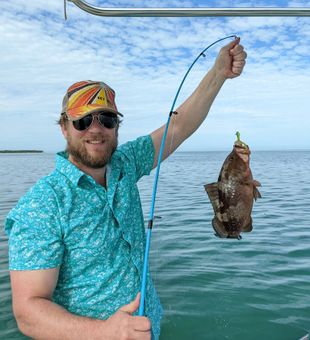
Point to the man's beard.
(80, 154)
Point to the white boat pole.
(194, 12)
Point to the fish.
(233, 195)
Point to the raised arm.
(229, 64)
(40, 318)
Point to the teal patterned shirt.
(95, 236)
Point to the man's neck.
(99, 175)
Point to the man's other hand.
(124, 326)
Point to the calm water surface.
(256, 288)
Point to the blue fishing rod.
(151, 218)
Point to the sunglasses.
(106, 119)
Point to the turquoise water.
(256, 288)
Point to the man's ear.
(64, 130)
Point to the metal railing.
(193, 12)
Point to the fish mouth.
(241, 147)
(242, 150)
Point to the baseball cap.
(85, 97)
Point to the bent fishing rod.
(151, 216)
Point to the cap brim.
(77, 114)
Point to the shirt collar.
(75, 175)
(67, 168)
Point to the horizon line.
(5, 151)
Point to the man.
(76, 239)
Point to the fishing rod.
(151, 217)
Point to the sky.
(144, 61)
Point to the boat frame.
(192, 12)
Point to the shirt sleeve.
(141, 152)
(34, 231)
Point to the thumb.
(232, 44)
(132, 306)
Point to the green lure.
(238, 139)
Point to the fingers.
(238, 56)
(237, 67)
(142, 336)
(232, 44)
(132, 306)
(142, 324)
(123, 325)
(236, 50)
(141, 328)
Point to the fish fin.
(219, 228)
(248, 227)
(212, 191)
(256, 183)
(238, 237)
(256, 193)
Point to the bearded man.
(77, 238)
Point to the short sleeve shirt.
(95, 236)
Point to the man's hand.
(124, 326)
(40, 318)
(231, 60)
(193, 111)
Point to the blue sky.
(144, 60)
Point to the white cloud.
(144, 59)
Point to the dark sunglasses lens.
(107, 121)
(83, 123)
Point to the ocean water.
(210, 288)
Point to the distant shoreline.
(21, 151)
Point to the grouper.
(232, 196)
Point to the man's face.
(93, 147)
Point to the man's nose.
(95, 126)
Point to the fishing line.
(151, 217)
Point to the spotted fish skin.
(232, 196)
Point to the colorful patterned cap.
(88, 96)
